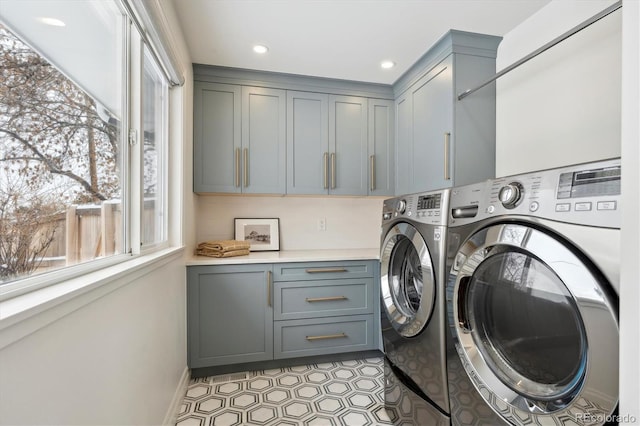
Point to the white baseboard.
(174, 408)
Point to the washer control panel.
(426, 207)
(587, 194)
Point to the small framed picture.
(263, 234)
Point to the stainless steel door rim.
(556, 281)
(406, 267)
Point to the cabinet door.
(404, 143)
(381, 147)
(217, 140)
(432, 98)
(307, 143)
(348, 145)
(230, 318)
(263, 140)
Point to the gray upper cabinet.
(326, 144)
(381, 137)
(263, 140)
(441, 141)
(348, 145)
(431, 97)
(239, 139)
(217, 137)
(307, 143)
(272, 133)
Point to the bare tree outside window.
(58, 148)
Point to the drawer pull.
(269, 281)
(326, 336)
(321, 270)
(325, 299)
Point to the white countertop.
(288, 256)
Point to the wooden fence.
(85, 233)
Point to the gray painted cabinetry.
(239, 134)
(323, 308)
(440, 140)
(263, 135)
(327, 144)
(229, 314)
(247, 313)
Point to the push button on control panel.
(607, 205)
(563, 207)
(583, 207)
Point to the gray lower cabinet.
(247, 313)
(324, 308)
(442, 141)
(321, 336)
(229, 314)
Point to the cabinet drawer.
(323, 270)
(306, 299)
(323, 336)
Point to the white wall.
(562, 107)
(351, 222)
(630, 270)
(117, 358)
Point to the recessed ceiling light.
(261, 49)
(53, 22)
(387, 64)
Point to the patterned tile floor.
(337, 393)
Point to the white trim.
(24, 315)
(176, 402)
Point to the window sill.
(23, 315)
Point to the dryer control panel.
(425, 207)
(587, 194)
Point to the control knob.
(401, 206)
(511, 194)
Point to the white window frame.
(131, 178)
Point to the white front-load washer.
(412, 259)
(532, 298)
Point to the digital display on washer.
(429, 201)
(590, 183)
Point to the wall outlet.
(322, 224)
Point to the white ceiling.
(344, 39)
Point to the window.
(154, 123)
(65, 169)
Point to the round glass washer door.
(407, 279)
(533, 324)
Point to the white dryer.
(532, 298)
(412, 259)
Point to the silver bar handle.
(324, 270)
(325, 299)
(325, 161)
(237, 166)
(269, 280)
(372, 167)
(246, 167)
(326, 336)
(333, 170)
(447, 142)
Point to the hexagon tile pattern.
(335, 393)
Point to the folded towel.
(225, 245)
(223, 248)
(218, 253)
